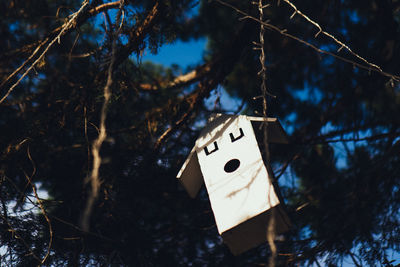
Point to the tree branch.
(137, 36)
(283, 32)
(103, 7)
(182, 80)
(76, 19)
(65, 28)
(94, 176)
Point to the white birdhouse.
(227, 158)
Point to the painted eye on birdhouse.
(212, 151)
(233, 138)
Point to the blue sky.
(181, 53)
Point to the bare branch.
(283, 32)
(320, 30)
(25, 62)
(182, 80)
(94, 177)
(72, 23)
(67, 25)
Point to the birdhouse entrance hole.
(232, 165)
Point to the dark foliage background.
(340, 175)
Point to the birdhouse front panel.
(234, 173)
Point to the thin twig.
(286, 165)
(81, 230)
(29, 178)
(316, 262)
(356, 263)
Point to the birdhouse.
(243, 197)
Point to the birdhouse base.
(254, 231)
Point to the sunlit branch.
(182, 80)
(103, 7)
(94, 177)
(37, 49)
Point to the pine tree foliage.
(340, 175)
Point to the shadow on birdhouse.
(226, 156)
